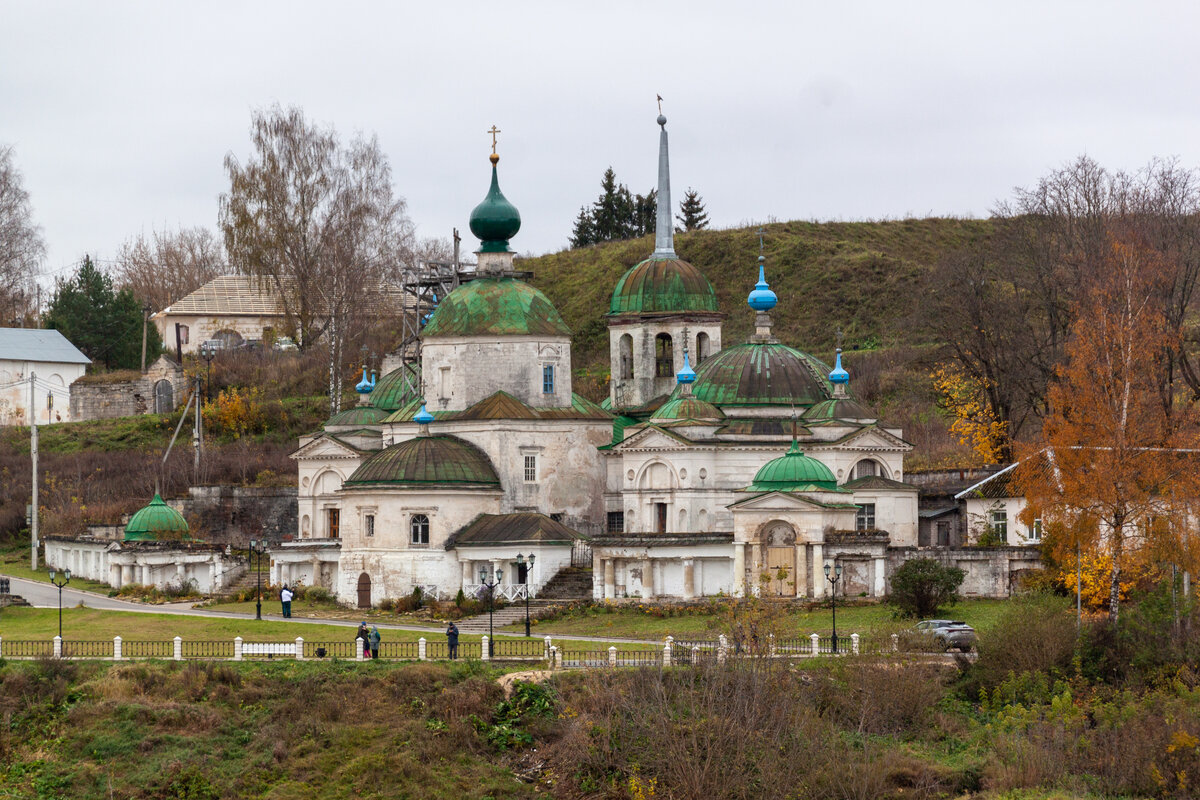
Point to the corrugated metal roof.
(247, 294)
(39, 344)
(488, 529)
(502, 405)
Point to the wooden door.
(781, 564)
(364, 591)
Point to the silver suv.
(947, 634)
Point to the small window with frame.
(369, 525)
(531, 469)
(418, 528)
(547, 379)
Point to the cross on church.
(493, 132)
(839, 338)
(760, 232)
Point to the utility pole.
(33, 450)
(145, 323)
(196, 433)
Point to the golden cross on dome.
(493, 132)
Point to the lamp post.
(66, 578)
(256, 560)
(521, 562)
(833, 579)
(484, 574)
(207, 352)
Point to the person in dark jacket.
(452, 639)
(374, 639)
(365, 636)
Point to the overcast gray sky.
(121, 113)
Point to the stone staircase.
(501, 617)
(248, 582)
(572, 583)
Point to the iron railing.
(86, 649)
(26, 649)
(148, 649)
(505, 647)
(219, 648)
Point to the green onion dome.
(794, 472)
(495, 307)
(687, 407)
(659, 285)
(359, 416)
(392, 391)
(427, 462)
(154, 522)
(495, 220)
(762, 373)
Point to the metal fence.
(26, 649)
(87, 649)
(210, 649)
(148, 649)
(503, 647)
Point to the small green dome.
(496, 307)
(792, 472)
(428, 462)
(392, 391)
(156, 521)
(359, 416)
(687, 407)
(762, 373)
(659, 285)
(495, 220)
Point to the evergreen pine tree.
(585, 229)
(616, 214)
(645, 213)
(693, 217)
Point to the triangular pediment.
(326, 446)
(784, 501)
(870, 438)
(653, 438)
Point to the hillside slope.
(861, 277)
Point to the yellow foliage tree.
(976, 423)
(236, 412)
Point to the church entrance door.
(780, 566)
(364, 591)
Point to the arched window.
(164, 397)
(418, 528)
(702, 348)
(625, 354)
(664, 356)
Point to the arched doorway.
(364, 590)
(164, 397)
(780, 540)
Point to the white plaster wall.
(547, 563)
(202, 327)
(459, 371)
(645, 386)
(979, 515)
(320, 478)
(14, 399)
(895, 512)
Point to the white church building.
(710, 469)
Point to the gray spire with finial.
(664, 229)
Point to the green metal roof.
(428, 461)
(840, 408)
(488, 530)
(794, 472)
(687, 407)
(496, 307)
(156, 521)
(495, 220)
(662, 286)
(391, 392)
(359, 415)
(762, 373)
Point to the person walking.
(375, 637)
(365, 636)
(285, 597)
(452, 639)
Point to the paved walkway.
(44, 595)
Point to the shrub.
(921, 586)
(1035, 634)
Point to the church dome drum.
(496, 307)
(427, 462)
(756, 373)
(663, 286)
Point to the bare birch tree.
(21, 245)
(165, 266)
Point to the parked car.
(284, 344)
(946, 634)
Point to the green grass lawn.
(628, 621)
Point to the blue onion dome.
(687, 374)
(423, 417)
(495, 220)
(762, 298)
(839, 374)
(365, 385)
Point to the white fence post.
(58, 647)
(667, 651)
(612, 656)
(299, 648)
(854, 643)
(358, 649)
(695, 654)
(116, 648)
(895, 642)
(422, 652)
(484, 654)
(558, 659)
(722, 649)
(237, 648)
(1, 647)
(547, 649)
(771, 644)
(179, 648)
(816, 644)
(553, 655)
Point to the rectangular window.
(1035, 532)
(334, 519)
(660, 517)
(864, 520)
(943, 534)
(531, 469)
(616, 522)
(369, 524)
(547, 379)
(443, 382)
(1000, 524)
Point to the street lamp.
(256, 561)
(208, 352)
(484, 574)
(521, 562)
(833, 579)
(66, 578)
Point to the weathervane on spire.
(659, 103)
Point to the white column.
(689, 578)
(610, 581)
(466, 574)
(880, 577)
(739, 569)
(698, 578)
(648, 579)
(800, 571)
(818, 571)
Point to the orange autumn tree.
(1109, 457)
